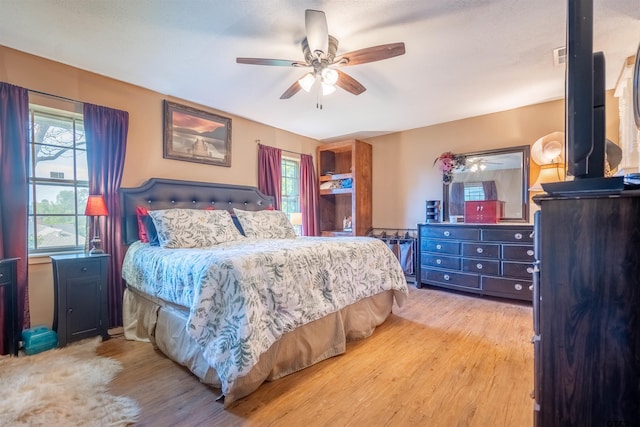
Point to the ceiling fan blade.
(293, 89)
(315, 23)
(349, 84)
(371, 54)
(274, 62)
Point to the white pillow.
(265, 224)
(193, 228)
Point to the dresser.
(8, 282)
(80, 288)
(587, 311)
(487, 259)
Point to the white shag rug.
(63, 387)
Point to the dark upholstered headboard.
(160, 193)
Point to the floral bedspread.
(244, 295)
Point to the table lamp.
(96, 207)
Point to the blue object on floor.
(39, 339)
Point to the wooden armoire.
(587, 310)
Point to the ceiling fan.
(319, 49)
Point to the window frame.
(37, 109)
(287, 164)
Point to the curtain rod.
(282, 149)
(55, 96)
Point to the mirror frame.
(525, 150)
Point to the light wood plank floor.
(444, 359)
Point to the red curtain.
(106, 134)
(270, 173)
(308, 196)
(14, 161)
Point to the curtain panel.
(106, 134)
(308, 196)
(14, 195)
(270, 173)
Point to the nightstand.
(80, 288)
(8, 282)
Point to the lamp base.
(96, 248)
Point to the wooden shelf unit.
(338, 161)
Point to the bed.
(241, 309)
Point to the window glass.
(473, 191)
(58, 180)
(291, 188)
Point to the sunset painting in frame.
(196, 136)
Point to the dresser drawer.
(521, 289)
(483, 250)
(5, 273)
(441, 246)
(483, 266)
(517, 252)
(517, 269)
(440, 261)
(453, 232)
(507, 235)
(451, 279)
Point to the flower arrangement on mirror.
(447, 163)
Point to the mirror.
(501, 174)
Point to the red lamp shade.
(96, 206)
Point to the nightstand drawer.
(5, 274)
(83, 268)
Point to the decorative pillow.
(146, 230)
(267, 224)
(193, 228)
(141, 213)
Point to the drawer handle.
(438, 261)
(518, 286)
(479, 266)
(479, 250)
(530, 252)
(1, 275)
(447, 233)
(531, 287)
(518, 236)
(446, 277)
(530, 270)
(83, 269)
(438, 247)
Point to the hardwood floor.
(444, 359)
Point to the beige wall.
(144, 144)
(403, 175)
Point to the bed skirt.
(149, 319)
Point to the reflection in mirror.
(491, 175)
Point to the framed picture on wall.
(197, 136)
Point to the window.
(58, 180)
(291, 188)
(473, 191)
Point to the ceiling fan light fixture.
(307, 81)
(327, 89)
(329, 76)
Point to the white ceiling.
(463, 57)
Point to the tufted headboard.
(160, 193)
